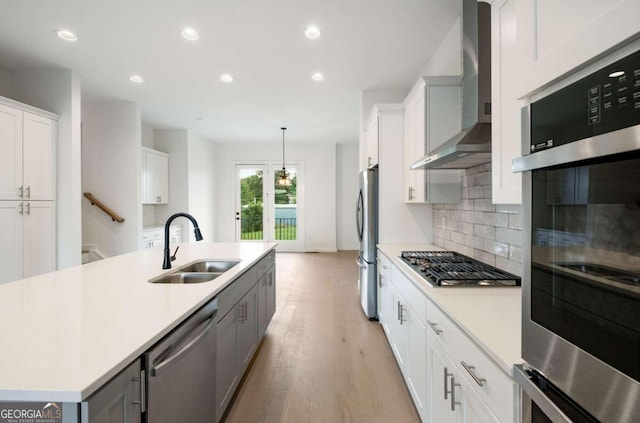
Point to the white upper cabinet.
(555, 37)
(505, 126)
(155, 177)
(432, 113)
(28, 159)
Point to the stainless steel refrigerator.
(367, 226)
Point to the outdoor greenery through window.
(285, 206)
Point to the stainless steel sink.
(207, 266)
(196, 272)
(185, 277)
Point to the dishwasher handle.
(165, 364)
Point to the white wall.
(58, 91)
(447, 58)
(5, 83)
(111, 170)
(319, 160)
(346, 194)
(147, 136)
(201, 180)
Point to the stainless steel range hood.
(472, 146)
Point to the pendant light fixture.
(283, 179)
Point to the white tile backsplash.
(478, 228)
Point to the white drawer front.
(412, 295)
(491, 384)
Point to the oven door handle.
(542, 401)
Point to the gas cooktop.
(448, 268)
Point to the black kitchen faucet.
(167, 255)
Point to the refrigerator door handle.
(359, 212)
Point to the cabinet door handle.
(410, 193)
(368, 161)
(380, 279)
(446, 382)
(158, 199)
(471, 369)
(453, 393)
(434, 326)
(402, 319)
(21, 208)
(28, 190)
(246, 312)
(28, 212)
(143, 395)
(21, 189)
(240, 313)
(398, 313)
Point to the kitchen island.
(65, 334)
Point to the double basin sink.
(196, 272)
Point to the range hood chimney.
(472, 146)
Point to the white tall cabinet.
(506, 120)
(27, 190)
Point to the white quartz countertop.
(64, 334)
(490, 316)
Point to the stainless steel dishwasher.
(181, 371)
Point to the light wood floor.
(322, 360)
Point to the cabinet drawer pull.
(21, 189)
(28, 194)
(28, 211)
(471, 369)
(434, 326)
(21, 209)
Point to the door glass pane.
(286, 206)
(252, 209)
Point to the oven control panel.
(602, 102)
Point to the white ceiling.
(365, 45)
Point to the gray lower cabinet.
(119, 400)
(237, 335)
(266, 300)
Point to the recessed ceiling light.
(226, 78)
(317, 76)
(616, 74)
(136, 78)
(190, 34)
(312, 32)
(67, 35)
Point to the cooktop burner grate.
(448, 268)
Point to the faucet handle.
(173, 257)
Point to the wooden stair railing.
(95, 202)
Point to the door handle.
(165, 364)
(143, 395)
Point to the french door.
(266, 211)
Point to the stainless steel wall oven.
(581, 223)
